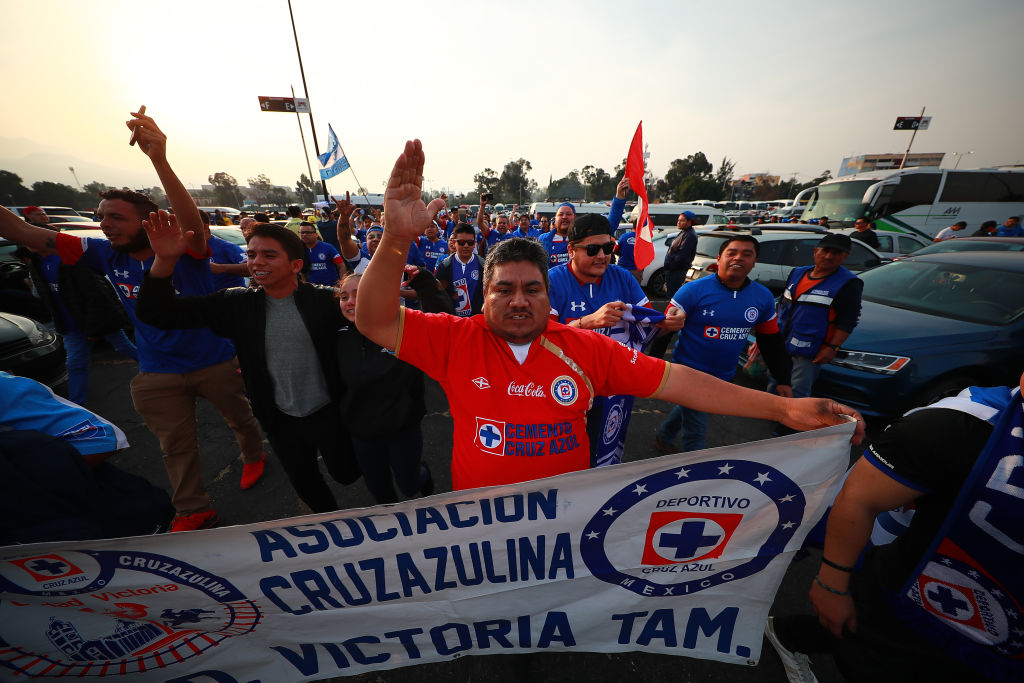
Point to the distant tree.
(569, 188)
(94, 188)
(305, 189)
(723, 176)
(694, 187)
(156, 193)
(12, 192)
(600, 185)
(825, 175)
(57, 194)
(225, 189)
(513, 185)
(260, 186)
(278, 196)
(486, 181)
(361, 190)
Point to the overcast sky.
(787, 87)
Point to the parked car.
(972, 244)
(30, 350)
(653, 277)
(893, 244)
(782, 250)
(233, 235)
(930, 326)
(63, 225)
(51, 211)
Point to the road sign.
(286, 104)
(912, 123)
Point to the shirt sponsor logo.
(489, 436)
(712, 332)
(564, 390)
(481, 383)
(128, 290)
(530, 390)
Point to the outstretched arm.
(406, 216)
(153, 142)
(700, 391)
(13, 228)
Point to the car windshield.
(969, 245)
(973, 294)
(708, 245)
(840, 202)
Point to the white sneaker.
(797, 664)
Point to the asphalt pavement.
(273, 498)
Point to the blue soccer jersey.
(222, 251)
(718, 320)
(557, 247)
(172, 351)
(432, 251)
(323, 264)
(571, 299)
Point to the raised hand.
(151, 139)
(345, 207)
(622, 188)
(406, 214)
(165, 237)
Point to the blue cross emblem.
(54, 568)
(949, 602)
(689, 541)
(489, 435)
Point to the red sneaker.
(251, 472)
(197, 520)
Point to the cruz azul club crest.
(694, 540)
(120, 612)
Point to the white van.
(548, 209)
(664, 216)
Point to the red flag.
(643, 247)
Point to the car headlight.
(881, 363)
(39, 335)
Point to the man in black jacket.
(283, 331)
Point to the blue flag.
(332, 162)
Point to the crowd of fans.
(319, 331)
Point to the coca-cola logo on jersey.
(530, 390)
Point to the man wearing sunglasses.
(460, 273)
(591, 293)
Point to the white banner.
(680, 555)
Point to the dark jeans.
(296, 440)
(397, 455)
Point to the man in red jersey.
(518, 383)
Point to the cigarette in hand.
(135, 132)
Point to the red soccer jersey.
(517, 422)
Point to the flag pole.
(312, 127)
(912, 136)
(305, 152)
(359, 185)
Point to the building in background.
(881, 162)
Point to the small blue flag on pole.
(333, 161)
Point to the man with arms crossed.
(513, 360)
(175, 366)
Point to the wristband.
(834, 347)
(830, 589)
(830, 563)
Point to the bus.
(921, 201)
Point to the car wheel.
(940, 389)
(656, 287)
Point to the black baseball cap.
(835, 240)
(588, 225)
